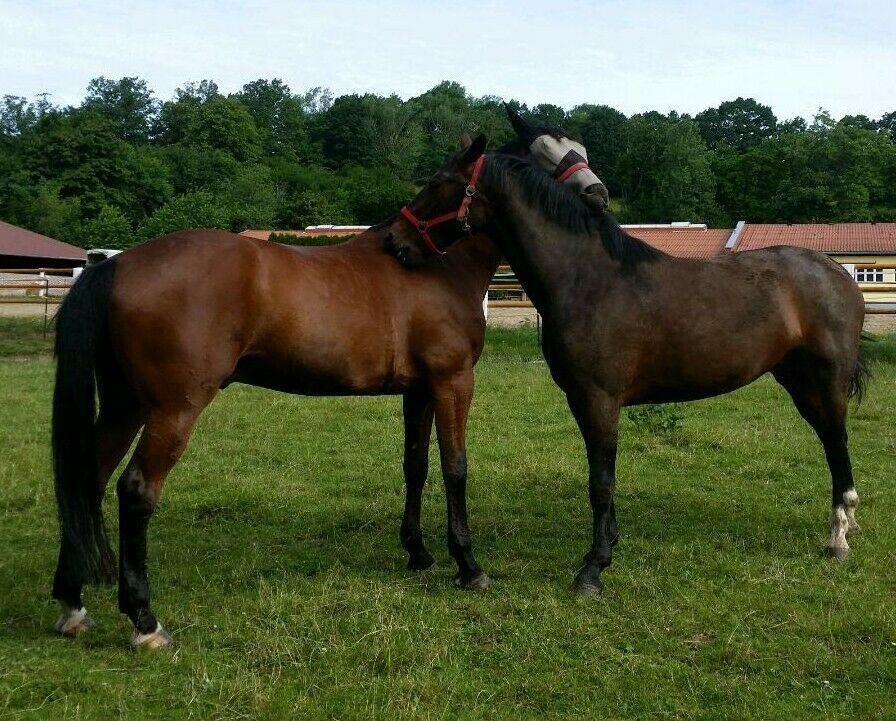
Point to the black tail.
(858, 383)
(81, 333)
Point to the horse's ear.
(465, 141)
(522, 128)
(473, 151)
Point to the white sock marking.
(839, 527)
(70, 619)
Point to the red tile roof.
(25, 243)
(857, 238)
(684, 242)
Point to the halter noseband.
(462, 215)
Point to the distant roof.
(21, 242)
(859, 238)
(684, 241)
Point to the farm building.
(21, 248)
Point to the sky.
(632, 55)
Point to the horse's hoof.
(153, 641)
(73, 622)
(587, 581)
(479, 582)
(854, 529)
(587, 589)
(421, 561)
(838, 552)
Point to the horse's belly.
(696, 378)
(320, 379)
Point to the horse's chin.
(407, 256)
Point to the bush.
(314, 207)
(193, 210)
(657, 419)
(110, 229)
(314, 240)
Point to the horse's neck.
(547, 259)
(477, 257)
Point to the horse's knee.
(135, 495)
(415, 470)
(454, 470)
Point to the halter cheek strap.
(462, 215)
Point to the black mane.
(564, 207)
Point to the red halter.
(462, 214)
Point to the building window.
(869, 275)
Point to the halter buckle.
(470, 191)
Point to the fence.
(43, 286)
(47, 286)
(880, 297)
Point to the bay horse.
(626, 324)
(156, 331)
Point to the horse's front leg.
(597, 415)
(418, 413)
(452, 403)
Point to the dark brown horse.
(159, 329)
(625, 324)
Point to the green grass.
(275, 563)
(25, 337)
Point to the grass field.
(275, 563)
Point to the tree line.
(125, 166)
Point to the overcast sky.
(633, 55)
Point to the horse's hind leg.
(116, 427)
(821, 396)
(418, 414)
(161, 444)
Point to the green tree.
(375, 194)
(251, 198)
(39, 207)
(17, 116)
(126, 103)
(279, 117)
(193, 210)
(193, 168)
(863, 122)
(443, 113)
(313, 207)
(201, 117)
(740, 124)
(832, 172)
(548, 114)
(110, 229)
(80, 152)
(342, 132)
(887, 124)
(664, 171)
(600, 129)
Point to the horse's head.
(443, 211)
